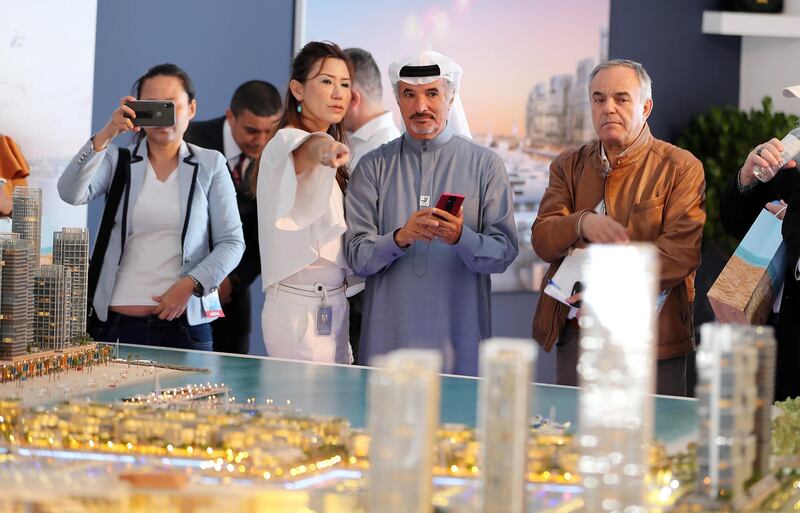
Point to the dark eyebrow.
(332, 76)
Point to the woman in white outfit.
(301, 182)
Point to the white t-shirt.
(151, 263)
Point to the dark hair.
(367, 75)
(162, 70)
(259, 97)
(303, 63)
(165, 70)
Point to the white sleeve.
(298, 200)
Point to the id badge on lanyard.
(210, 305)
(324, 324)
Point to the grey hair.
(367, 76)
(645, 82)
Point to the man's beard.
(424, 131)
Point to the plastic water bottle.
(791, 149)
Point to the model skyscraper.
(71, 249)
(728, 362)
(16, 297)
(403, 416)
(51, 328)
(617, 372)
(27, 217)
(503, 411)
(763, 339)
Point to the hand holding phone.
(121, 121)
(451, 221)
(152, 112)
(450, 203)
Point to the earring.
(299, 108)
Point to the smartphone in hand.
(577, 289)
(450, 202)
(153, 112)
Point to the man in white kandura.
(427, 270)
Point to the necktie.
(236, 172)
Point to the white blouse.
(151, 263)
(300, 218)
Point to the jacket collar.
(187, 169)
(631, 154)
(139, 152)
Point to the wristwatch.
(198, 287)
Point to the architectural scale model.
(42, 308)
(616, 372)
(51, 321)
(727, 394)
(403, 415)
(195, 448)
(71, 249)
(27, 218)
(16, 297)
(506, 366)
(735, 385)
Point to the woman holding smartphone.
(300, 190)
(171, 231)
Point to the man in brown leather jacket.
(628, 186)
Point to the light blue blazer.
(212, 214)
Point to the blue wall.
(222, 44)
(690, 71)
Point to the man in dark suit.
(241, 136)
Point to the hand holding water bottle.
(766, 159)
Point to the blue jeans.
(152, 331)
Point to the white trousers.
(288, 322)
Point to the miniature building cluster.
(406, 461)
(735, 389)
(42, 307)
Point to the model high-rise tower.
(71, 249)
(503, 422)
(51, 288)
(403, 416)
(617, 372)
(16, 297)
(27, 218)
(763, 339)
(726, 391)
